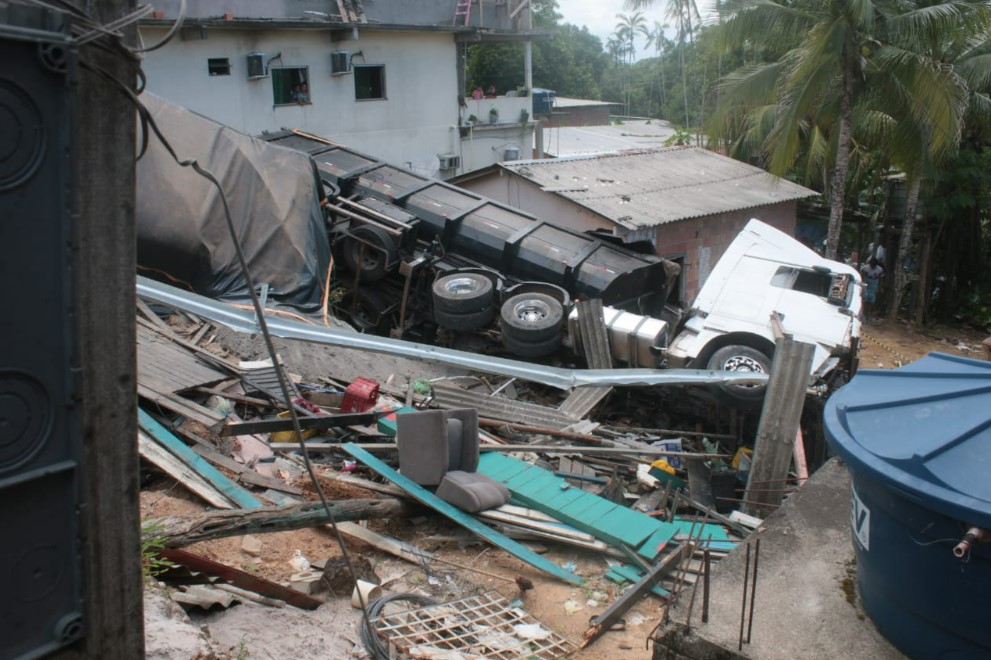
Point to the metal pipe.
(705, 585)
(753, 588)
(974, 535)
(564, 379)
(743, 605)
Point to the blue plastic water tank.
(917, 442)
(543, 100)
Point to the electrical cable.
(148, 122)
(373, 643)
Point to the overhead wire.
(148, 123)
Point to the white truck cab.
(764, 278)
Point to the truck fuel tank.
(633, 338)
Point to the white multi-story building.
(386, 78)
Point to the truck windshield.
(834, 287)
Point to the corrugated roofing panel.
(655, 187)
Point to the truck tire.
(529, 349)
(736, 357)
(368, 315)
(462, 293)
(466, 320)
(531, 318)
(373, 265)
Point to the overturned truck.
(425, 261)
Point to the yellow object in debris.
(662, 464)
(743, 457)
(290, 436)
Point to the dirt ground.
(889, 345)
(249, 630)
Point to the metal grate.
(484, 626)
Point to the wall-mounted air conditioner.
(340, 62)
(449, 161)
(256, 66)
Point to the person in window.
(491, 94)
(872, 273)
(478, 93)
(300, 94)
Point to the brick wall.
(700, 242)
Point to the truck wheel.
(531, 349)
(531, 318)
(369, 313)
(462, 293)
(464, 321)
(373, 265)
(741, 358)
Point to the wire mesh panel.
(484, 626)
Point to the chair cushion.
(472, 491)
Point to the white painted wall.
(515, 191)
(417, 121)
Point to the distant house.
(689, 203)
(383, 77)
(577, 112)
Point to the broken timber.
(240, 578)
(465, 520)
(155, 434)
(305, 423)
(180, 531)
(629, 598)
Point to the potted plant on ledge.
(494, 116)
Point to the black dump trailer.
(389, 226)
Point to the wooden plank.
(394, 547)
(656, 542)
(241, 579)
(154, 453)
(465, 520)
(181, 406)
(244, 474)
(305, 423)
(217, 479)
(543, 492)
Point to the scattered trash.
(572, 606)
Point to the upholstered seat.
(440, 448)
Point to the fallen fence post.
(779, 420)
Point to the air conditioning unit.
(256, 66)
(340, 62)
(449, 161)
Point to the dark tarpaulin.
(274, 195)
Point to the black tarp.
(274, 195)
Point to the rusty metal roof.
(652, 187)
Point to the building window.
(219, 66)
(291, 85)
(369, 82)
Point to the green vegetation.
(882, 106)
(152, 564)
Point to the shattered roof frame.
(648, 188)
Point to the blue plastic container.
(543, 100)
(917, 442)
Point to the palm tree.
(661, 43)
(628, 29)
(941, 53)
(685, 16)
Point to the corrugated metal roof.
(563, 141)
(654, 187)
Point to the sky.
(599, 16)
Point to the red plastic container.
(360, 396)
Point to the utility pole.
(103, 164)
